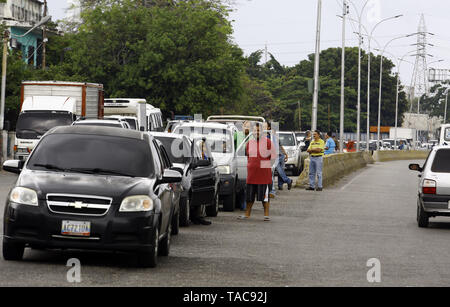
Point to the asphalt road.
(314, 239)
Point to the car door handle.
(420, 176)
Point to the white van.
(132, 110)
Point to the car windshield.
(93, 154)
(32, 125)
(287, 140)
(98, 124)
(132, 123)
(441, 162)
(177, 150)
(218, 140)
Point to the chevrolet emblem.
(78, 205)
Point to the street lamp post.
(399, 62)
(341, 125)
(358, 107)
(381, 85)
(368, 76)
(316, 69)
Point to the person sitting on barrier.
(330, 145)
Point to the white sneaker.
(243, 217)
(266, 219)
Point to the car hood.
(116, 187)
(222, 158)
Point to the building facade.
(20, 16)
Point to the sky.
(288, 27)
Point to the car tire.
(229, 202)
(149, 259)
(13, 251)
(422, 217)
(213, 210)
(184, 212)
(176, 224)
(164, 245)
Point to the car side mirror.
(202, 163)
(177, 169)
(171, 176)
(13, 166)
(415, 167)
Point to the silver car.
(434, 185)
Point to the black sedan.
(200, 176)
(93, 188)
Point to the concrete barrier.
(335, 167)
(338, 165)
(393, 155)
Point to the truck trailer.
(48, 104)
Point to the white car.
(220, 140)
(293, 149)
(102, 123)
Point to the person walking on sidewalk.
(316, 151)
(260, 154)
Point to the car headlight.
(24, 196)
(140, 203)
(224, 169)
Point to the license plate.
(74, 228)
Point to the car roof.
(205, 125)
(99, 130)
(106, 121)
(167, 135)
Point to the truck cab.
(40, 114)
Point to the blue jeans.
(282, 177)
(315, 168)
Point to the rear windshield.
(177, 150)
(441, 162)
(93, 153)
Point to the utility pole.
(445, 111)
(44, 39)
(316, 68)
(341, 124)
(3, 91)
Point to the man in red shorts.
(261, 155)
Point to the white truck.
(407, 134)
(48, 104)
(137, 112)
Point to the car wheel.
(229, 202)
(184, 212)
(13, 251)
(213, 210)
(149, 259)
(176, 224)
(422, 217)
(164, 245)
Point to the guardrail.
(338, 165)
(393, 155)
